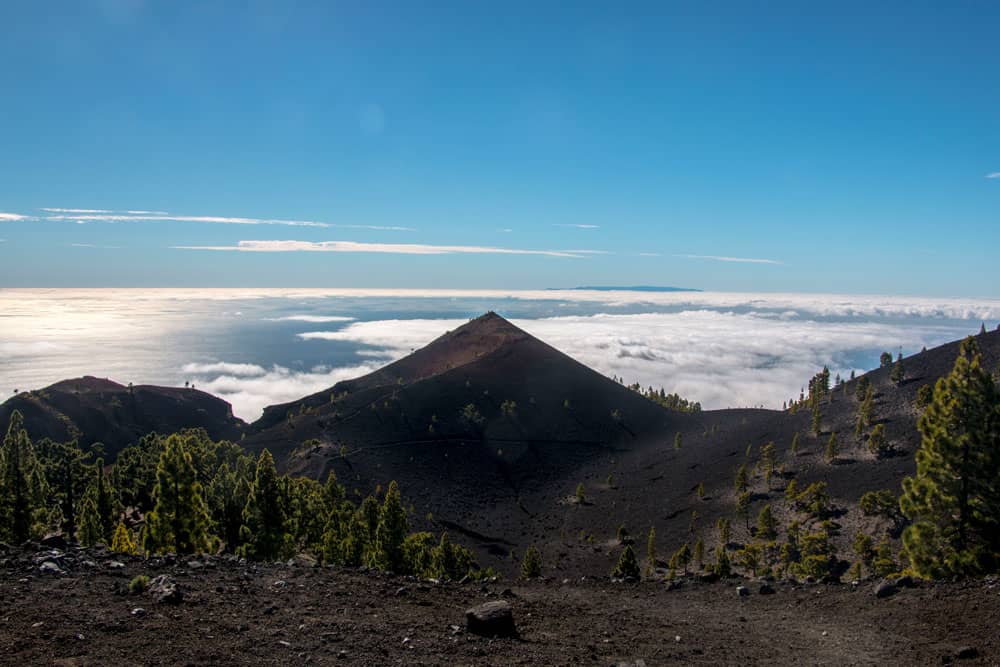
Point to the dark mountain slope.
(94, 410)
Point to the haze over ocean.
(256, 347)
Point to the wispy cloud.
(649, 254)
(312, 318)
(13, 217)
(577, 226)
(995, 174)
(84, 215)
(506, 230)
(94, 245)
(393, 248)
(77, 210)
(742, 260)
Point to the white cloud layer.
(250, 392)
(393, 248)
(13, 217)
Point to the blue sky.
(850, 147)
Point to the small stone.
(48, 567)
(138, 611)
(116, 565)
(766, 589)
(742, 591)
(55, 541)
(677, 638)
(824, 633)
(284, 643)
(966, 653)
(401, 591)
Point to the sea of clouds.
(266, 346)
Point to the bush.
(628, 565)
(138, 584)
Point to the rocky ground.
(72, 607)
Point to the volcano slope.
(93, 410)
(503, 478)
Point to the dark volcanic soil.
(233, 613)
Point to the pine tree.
(767, 526)
(725, 530)
(816, 421)
(723, 566)
(681, 558)
(628, 566)
(743, 507)
(954, 499)
(884, 360)
(22, 485)
(898, 373)
(700, 490)
(832, 448)
(741, 478)
(581, 496)
(677, 441)
(105, 500)
(264, 533)
(795, 445)
(531, 564)
(391, 532)
(89, 532)
(179, 520)
(876, 441)
(699, 552)
(122, 541)
(651, 552)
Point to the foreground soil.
(235, 613)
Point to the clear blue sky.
(850, 145)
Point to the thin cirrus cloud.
(723, 258)
(578, 226)
(84, 215)
(995, 174)
(13, 217)
(94, 245)
(392, 248)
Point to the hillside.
(488, 432)
(93, 410)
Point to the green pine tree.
(628, 566)
(954, 499)
(122, 541)
(832, 448)
(898, 373)
(179, 520)
(677, 440)
(390, 532)
(767, 525)
(699, 552)
(264, 534)
(22, 485)
(89, 532)
(795, 445)
(531, 564)
(651, 552)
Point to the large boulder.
(164, 589)
(491, 619)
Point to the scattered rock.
(967, 653)
(116, 565)
(885, 589)
(491, 619)
(401, 591)
(138, 611)
(708, 577)
(742, 591)
(48, 567)
(55, 541)
(164, 589)
(906, 581)
(766, 589)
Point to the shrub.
(628, 566)
(138, 584)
